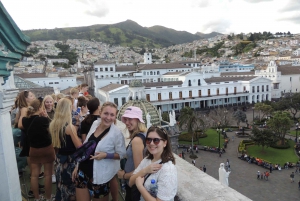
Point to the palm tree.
(189, 120)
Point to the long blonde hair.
(141, 128)
(62, 117)
(48, 97)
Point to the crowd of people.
(55, 127)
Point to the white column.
(10, 184)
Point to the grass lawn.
(274, 156)
(211, 140)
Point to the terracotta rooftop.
(125, 68)
(103, 62)
(162, 66)
(110, 87)
(289, 70)
(227, 79)
(32, 75)
(162, 84)
(238, 73)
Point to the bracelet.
(124, 175)
(110, 155)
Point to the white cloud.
(188, 15)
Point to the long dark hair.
(92, 105)
(167, 154)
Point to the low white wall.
(193, 184)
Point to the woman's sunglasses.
(155, 140)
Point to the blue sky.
(205, 16)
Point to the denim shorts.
(95, 190)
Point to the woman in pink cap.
(133, 118)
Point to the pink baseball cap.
(133, 113)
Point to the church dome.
(146, 107)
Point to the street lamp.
(297, 133)
(219, 132)
(253, 108)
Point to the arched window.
(157, 73)
(190, 84)
(199, 82)
(147, 73)
(151, 73)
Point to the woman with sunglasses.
(93, 176)
(133, 119)
(158, 166)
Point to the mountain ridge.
(126, 33)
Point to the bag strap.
(149, 174)
(137, 135)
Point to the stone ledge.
(193, 184)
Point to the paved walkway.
(243, 175)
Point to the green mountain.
(127, 33)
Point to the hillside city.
(281, 47)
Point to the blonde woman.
(48, 106)
(74, 93)
(133, 118)
(65, 141)
(93, 176)
(48, 111)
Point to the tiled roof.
(162, 84)
(32, 75)
(110, 87)
(227, 79)
(238, 73)
(289, 70)
(162, 66)
(125, 68)
(103, 62)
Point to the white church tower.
(147, 58)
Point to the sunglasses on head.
(160, 128)
(156, 141)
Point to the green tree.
(165, 117)
(280, 123)
(293, 102)
(263, 109)
(189, 121)
(263, 137)
(239, 116)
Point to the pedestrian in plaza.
(182, 154)
(261, 175)
(258, 174)
(267, 174)
(271, 167)
(204, 168)
(220, 153)
(194, 162)
(292, 176)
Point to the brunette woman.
(41, 149)
(65, 140)
(133, 118)
(93, 176)
(158, 167)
